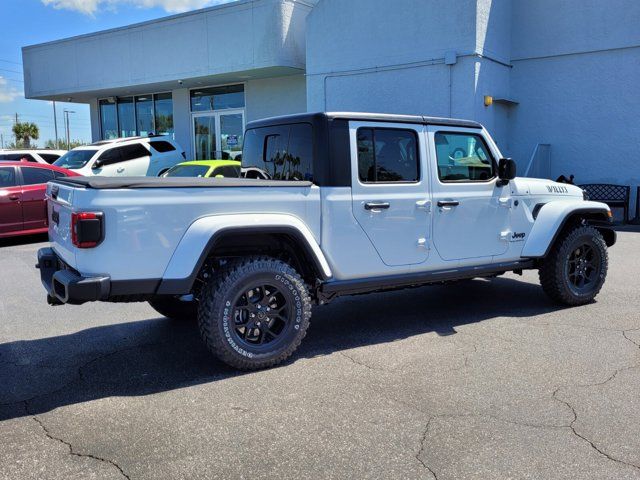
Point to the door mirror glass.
(96, 165)
(506, 169)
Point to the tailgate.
(59, 208)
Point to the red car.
(23, 210)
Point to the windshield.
(75, 159)
(188, 171)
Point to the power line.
(10, 61)
(11, 71)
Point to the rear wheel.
(174, 308)
(254, 313)
(575, 270)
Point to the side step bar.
(329, 290)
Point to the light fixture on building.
(488, 100)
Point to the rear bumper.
(67, 286)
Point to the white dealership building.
(555, 82)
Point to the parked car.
(44, 156)
(356, 203)
(205, 169)
(133, 157)
(23, 210)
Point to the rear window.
(283, 152)
(162, 146)
(188, 171)
(228, 171)
(75, 159)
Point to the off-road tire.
(174, 308)
(554, 271)
(218, 309)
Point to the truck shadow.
(150, 356)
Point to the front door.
(218, 135)
(390, 190)
(10, 201)
(471, 208)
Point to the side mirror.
(96, 165)
(506, 170)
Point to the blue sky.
(27, 22)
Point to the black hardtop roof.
(314, 118)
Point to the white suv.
(44, 156)
(131, 157)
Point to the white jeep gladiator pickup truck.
(353, 203)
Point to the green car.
(206, 168)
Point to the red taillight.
(86, 229)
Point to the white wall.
(576, 69)
(235, 37)
(275, 96)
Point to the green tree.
(25, 132)
(62, 144)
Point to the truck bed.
(115, 183)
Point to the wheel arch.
(554, 217)
(238, 236)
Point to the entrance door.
(218, 135)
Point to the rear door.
(10, 200)
(390, 193)
(34, 185)
(135, 161)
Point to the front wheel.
(575, 270)
(254, 313)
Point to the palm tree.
(25, 132)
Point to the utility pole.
(2, 141)
(55, 123)
(66, 116)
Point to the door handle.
(424, 205)
(448, 203)
(372, 206)
(14, 197)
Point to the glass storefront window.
(164, 113)
(136, 116)
(144, 115)
(217, 98)
(126, 117)
(108, 119)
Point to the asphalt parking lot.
(483, 380)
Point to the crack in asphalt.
(79, 376)
(361, 363)
(572, 426)
(72, 452)
(423, 441)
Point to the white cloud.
(90, 7)
(7, 92)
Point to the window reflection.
(141, 115)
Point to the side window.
(227, 172)
(129, 152)
(388, 155)
(27, 157)
(7, 177)
(162, 146)
(35, 176)
(110, 157)
(463, 157)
